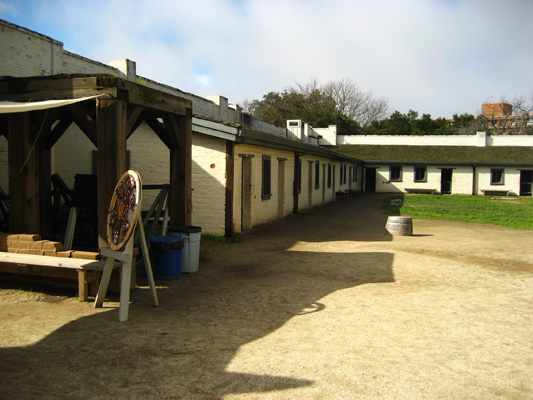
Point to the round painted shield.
(123, 211)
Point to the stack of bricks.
(33, 244)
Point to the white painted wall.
(481, 139)
(511, 180)
(209, 183)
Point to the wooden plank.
(111, 163)
(46, 261)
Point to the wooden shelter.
(108, 110)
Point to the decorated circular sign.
(123, 211)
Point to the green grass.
(513, 213)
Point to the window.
(420, 174)
(329, 175)
(266, 190)
(344, 180)
(354, 176)
(317, 174)
(340, 175)
(395, 174)
(496, 176)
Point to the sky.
(437, 57)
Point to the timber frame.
(107, 121)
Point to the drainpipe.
(473, 180)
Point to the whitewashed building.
(245, 171)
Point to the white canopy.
(7, 107)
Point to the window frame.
(499, 182)
(400, 173)
(425, 173)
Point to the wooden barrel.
(400, 226)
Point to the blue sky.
(433, 56)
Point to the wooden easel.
(126, 257)
(123, 252)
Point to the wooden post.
(111, 133)
(180, 198)
(45, 188)
(23, 176)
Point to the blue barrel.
(166, 256)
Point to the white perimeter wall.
(481, 139)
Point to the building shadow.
(243, 292)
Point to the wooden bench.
(421, 191)
(344, 194)
(495, 193)
(86, 272)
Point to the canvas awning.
(8, 107)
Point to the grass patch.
(514, 213)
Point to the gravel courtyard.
(320, 305)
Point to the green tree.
(337, 103)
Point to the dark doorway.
(446, 180)
(526, 180)
(370, 180)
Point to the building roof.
(440, 154)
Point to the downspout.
(296, 182)
(473, 180)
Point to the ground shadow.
(182, 349)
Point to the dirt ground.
(321, 305)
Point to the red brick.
(34, 252)
(29, 237)
(86, 255)
(66, 254)
(50, 253)
(19, 245)
(53, 246)
(38, 245)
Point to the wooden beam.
(135, 119)
(84, 121)
(157, 127)
(58, 131)
(173, 130)
(52, 88)
(180, 196)
(111, 161)
(23, 160)
(147, 97)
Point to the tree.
(410, 124)
(336, 103)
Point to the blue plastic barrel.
(166, 256)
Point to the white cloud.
(433, 56)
